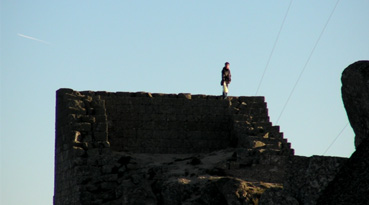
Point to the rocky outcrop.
(355, 96)
(277, 196)
(351, 184)
(306, 177)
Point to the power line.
(275, 43)
(307, 61)
(339, 134)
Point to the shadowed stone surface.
(355, 96)
(147, 148)
(351, 184)
(143, 148)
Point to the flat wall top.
(163, 95)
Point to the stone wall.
(169, 123)
(96, 130)
(81, 131)
(157, 123)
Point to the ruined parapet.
(169, 123)
(81, 132)
(96, 131)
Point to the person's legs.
(225, 90)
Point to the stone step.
(272, 135)
(261, 124)
(288, 152)
(254, 142)
(260, 143)
(286, 145)
(252, 110)
(245, 117)
(260, 137)
(265, 140)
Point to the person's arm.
(223, 78)
(229, 76)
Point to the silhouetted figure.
(226, 79)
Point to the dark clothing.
(226, 76)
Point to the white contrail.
(35, 39)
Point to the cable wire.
(307, 61)
(275, 43)
(339, 134)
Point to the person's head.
(226, 65)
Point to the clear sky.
(172, 47)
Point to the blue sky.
(172, 47)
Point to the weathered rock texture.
(143, 148)
(351, 184)
(355, 95)
(306, 177)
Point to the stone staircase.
(262, 151)
(253, 130)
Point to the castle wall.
(95, 129)
(166, 123)
(169, 123)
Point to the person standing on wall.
(226, 79)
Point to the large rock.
(277, 196)
(351, 184)
(355, 96)
(306, 177)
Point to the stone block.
(167, 109)
(106, 169)
(193, 135)
(92, 152)
(198, 96)
(74, 110)
(82, 170)
(63, 91)
(100, 136)
(99, 111)
(83, 126)
(144, 134)
(102, 93)
(184, 95)
(123, 101)
(196, 102)
(142, 95)
(159, 134)
(161, 125)
(87, 138)
(122, 94)
(108, 186)
(101, 126)
(194, 126)
(176, 125)
(208, 135)
(78, 151)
